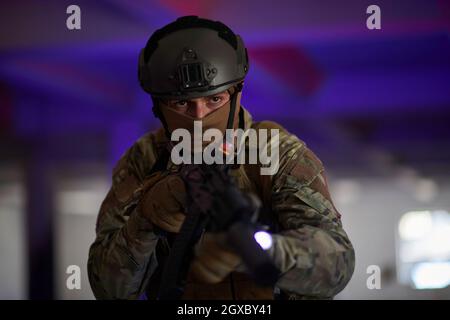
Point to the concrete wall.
(371, 218)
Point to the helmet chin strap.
(230, 123)
(234, 95)
(158, 114)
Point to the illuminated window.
(423, 249)
(78, 197)
(81, 196)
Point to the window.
(423, 249)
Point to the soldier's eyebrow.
(169, 102)
(172, 101)
(222, 94)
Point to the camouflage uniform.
(311, 248)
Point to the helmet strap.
(158, 114)
(234, 94)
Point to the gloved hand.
(213, 260)
(164, 201)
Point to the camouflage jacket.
(311, 248)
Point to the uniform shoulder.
(284, 134)
(288, 143)
(296, 159)
(141, 156)
(267, 124)
(133, 167)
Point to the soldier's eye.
(180, 103)
(216, 99)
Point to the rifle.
(215, 204)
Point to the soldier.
(194, 69)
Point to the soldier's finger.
(167, 226)
(211, 246)
(179, 216)
(174, 220)
(215, 265)
(228, 259)
(203, 274)
(165, 221)
(159, 214)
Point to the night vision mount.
(193, 72)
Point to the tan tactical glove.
(213, 260)
(164, 201)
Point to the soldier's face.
(199, 107)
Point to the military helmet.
(192, 57)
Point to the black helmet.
(192, 57)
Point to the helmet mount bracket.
(193, 72)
